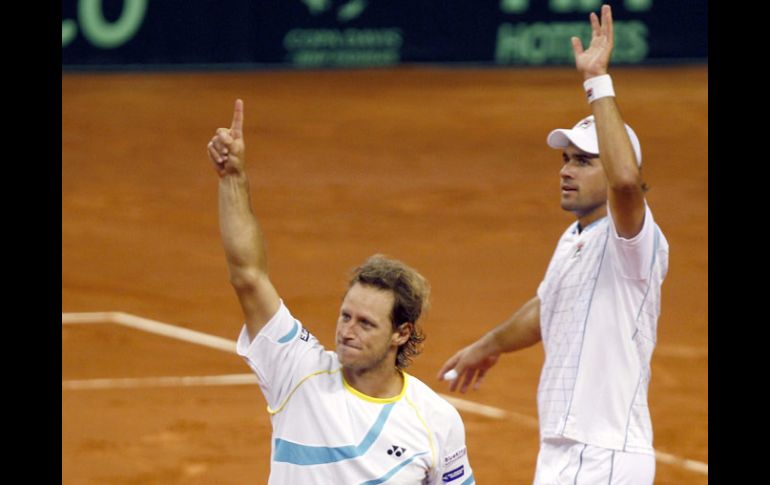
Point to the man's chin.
(345, 357)
(567, 205)
(572, 208)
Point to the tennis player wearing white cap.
(596, 310)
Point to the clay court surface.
(446, 169)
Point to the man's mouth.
(347, 345)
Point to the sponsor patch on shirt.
(453, 474)
(304, 335)
(452, 457)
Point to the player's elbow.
(626, 183)
(245, 279)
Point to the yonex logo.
(396, 451)
(453, 474)
(304, 335)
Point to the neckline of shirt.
(378, 400)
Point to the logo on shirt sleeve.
(453, 474)
(304, 335)
(453, 457)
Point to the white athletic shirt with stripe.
(326, 432)
(600, 302)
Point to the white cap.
(583, 136)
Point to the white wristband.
(598, 87)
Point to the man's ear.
(402, 334)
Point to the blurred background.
(245, 34)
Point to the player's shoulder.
(429, 401)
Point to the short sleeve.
(454, 467)
(281, 354)
(634, 256)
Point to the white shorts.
(565, 462)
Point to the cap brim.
(562, 138)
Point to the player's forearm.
(624, 180)
(521, 330)
(617, 153)
(240, 232)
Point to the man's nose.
(346, 329)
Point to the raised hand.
(595, 60)
(226, 148)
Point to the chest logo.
(578, 248)
(396, 451)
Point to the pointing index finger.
(236, 128)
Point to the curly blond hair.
(411, 291)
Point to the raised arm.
(240, 232)
(521, 330)
(626, 197)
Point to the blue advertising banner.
(118, 34)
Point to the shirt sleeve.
(453, 467)
(634, 256)
(281, 354)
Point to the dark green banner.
(118, 34)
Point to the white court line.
(152, 326)
(463, 405)
(490, 411)
(173, 381)
(251, 379)
(220, 343)
(682, 351)
(93, 317)
(692, 465)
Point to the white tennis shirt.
(326, 432)
(600, 302)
